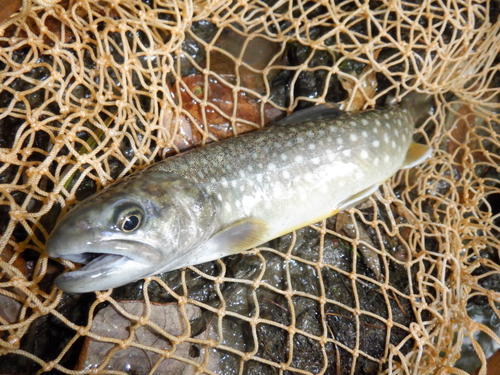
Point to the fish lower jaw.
(104, 272)
(100, 261)
(87, 258)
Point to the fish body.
(233, 195)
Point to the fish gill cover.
(91, 91)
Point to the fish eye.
(130, 221)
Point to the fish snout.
(83, 224)
(70, 239)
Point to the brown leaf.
(8, 8)
(190, 130)
(10, 309)
(110, 323)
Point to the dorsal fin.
(317, 113)
(357, 198)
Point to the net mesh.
(92, 91)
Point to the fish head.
(131, 230)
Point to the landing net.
(91, 91)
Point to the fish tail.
(419, 105)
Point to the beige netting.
(91, 91)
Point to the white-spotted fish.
(233, 195)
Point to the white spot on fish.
(329, 139)
(271, 166)
(353, 137)
(213, 180)
(363, 154)
(387, 158)
(339, 141)
(347, 152)
(396, 132)
(375, 130)
(359, 174)
(227, 206)
(223, 181)
(315, 161)
(277, 190)
(376, 143)
(200, 173)
(321, 133)
(342, 169)
(377, 122)
(353, 123)
(248, 201)
(312, 146)
(234, 183)
(310, 134)
(259, 177)
(299, 159)
(286, 174)
(393, 144)
(386, 138)
(284, 157)
(364, 122)
(376, 161)
(364, 134)
(300, 140)
(403, 137)
(250, 168)
(238, 204)
(255, 155)
(242, 187)
(386, 116)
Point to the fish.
(230, 196)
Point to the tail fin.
(418, 104)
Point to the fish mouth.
(110, 267)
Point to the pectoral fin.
(239, 236)
(417, 153)
(357, 198)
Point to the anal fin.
(417, 153)
(357, 198)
